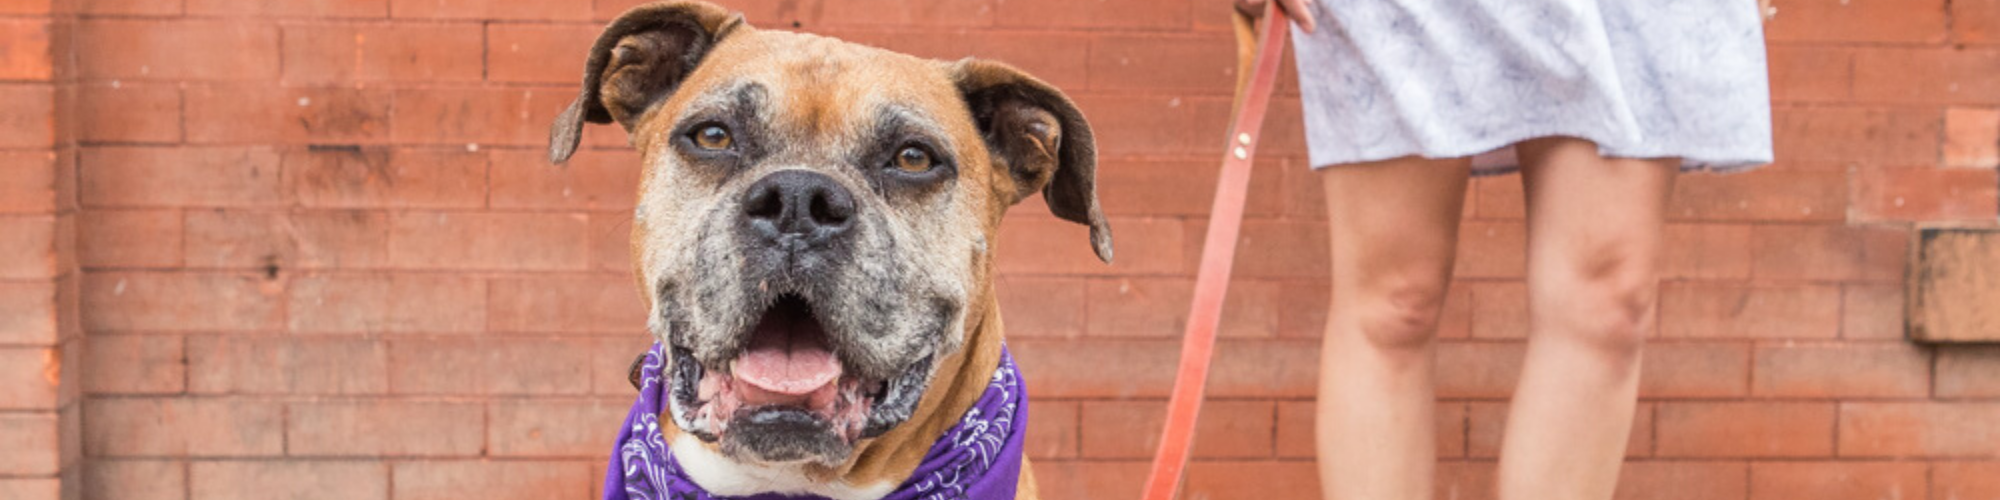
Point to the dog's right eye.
(712, 137)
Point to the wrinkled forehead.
(816, 87)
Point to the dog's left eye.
(914, 160)
(712, 137)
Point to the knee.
(1606, 301)
(1403, 316)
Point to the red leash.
(1218, 253)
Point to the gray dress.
(1450, 78)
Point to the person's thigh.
(1594, 234)
(1394, 233)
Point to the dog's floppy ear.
(638, 60)
(1037, 136)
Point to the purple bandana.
(979, 458)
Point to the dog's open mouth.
(787, 395)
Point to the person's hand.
(1299, 10)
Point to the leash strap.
(1256, 77)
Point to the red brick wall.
(322, 257)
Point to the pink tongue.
(787, 356)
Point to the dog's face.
(815, 218)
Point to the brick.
(1120, 14)
(1282, 249)
(1259, 479)
(1487, 370)
(487, 9)
(1925, 194)
(1927, 75)
(177, 49)
(31, 118)
(1158, 307)
(546, 53)
(180, 177)
(1466, 480)
(1846, 370)
(1063, 479)
(1763, 195)
(494, 366)
(1164, 188)
(310, 8)
(402, 52)
(1677, 480)
(24, 50)
(370, 177)
(1829, 253)
(27, 182)
(28, 313)
(274, 242)
(556, 428)
(1694, 370)
(30, 441)
(135, 480)
(384, 428)
(610, 241)
(458, 116)
(1264, 369)
(31, 246)
(130, 238)
(134, 364)
(1041, 307)
(496, 480)
(1226, 429)
(567, 305)
(132, 427)
(1155, 62)
(611, 362)
(1486, 424)
(1135, 125)
(425, 303)
(129, 113)
(899, 13)
(1871, 312)
(317, 366)
(607, 180)
(1972, 137)
(1714, 310)
(1919, 429)
(32, 488)
(208, 302)
(1492, 249)
(1499, 309)
(1958, 480)
(1038, 245)
(1706, 251)
(1811, 73)
(520, 241)
(1098, 368)
(1053, 430)
(1053, 57)
(1849, 134)
(1913, 22)
(1296, 429)
(261, 114)
(1836, 480)
(1968, 371)
(1976, 21)
(1303, 307)
(292, 479)
(125, 7)
(1744, 429)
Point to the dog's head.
(815, 218)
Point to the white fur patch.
(722, 476)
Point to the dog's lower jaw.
(719, 475)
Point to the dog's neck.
(879, 464)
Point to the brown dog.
(813, 236)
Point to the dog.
(813, 236)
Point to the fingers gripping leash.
(1259, 53)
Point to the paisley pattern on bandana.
(977, 459)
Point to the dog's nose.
(798, 205)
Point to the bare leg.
(1593, 255)
(1394, 231)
